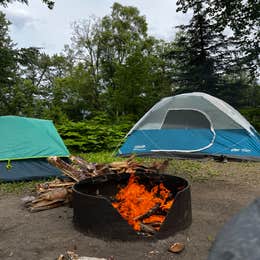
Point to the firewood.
(49, 186)
(58, 193)
(42, 202)
(123, 164)
(150, 212)
(85, 167)
(131, 158)
(147, 229)
(102, 169)
(66, 168)
(51, 206)
(36, 201)
(117, 169)
(160, 166)
(155, 224)
(65, 184)
(61, 257)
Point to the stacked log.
(50, 195)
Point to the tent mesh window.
(185, 119)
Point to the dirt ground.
(47, 234)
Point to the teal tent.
(25, 143)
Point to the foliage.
(206, 60)
(253, 116)
(199, 55)
(242, 18)
(114, 66)
(96, 134)
(100, 157)
(49, 3)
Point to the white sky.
(36, 25)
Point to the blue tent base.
(27, 169)
(193, 143)
(191, 156)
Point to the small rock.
(27, 199)
(176, 247)
(154, 252)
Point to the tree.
(21, 76)
(123, 32)
(75, 94)
(126, 58)
(86, 49)
(199, 55)
(8, 65)
(122, 70)
(242, 17)
(49, 3)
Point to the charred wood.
(147, 229)
(149, 212)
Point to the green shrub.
(95, 135)
(252, 115)
(103, 134)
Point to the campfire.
(121, 200)
(144, 208)
(132, 205)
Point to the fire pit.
(95, 204)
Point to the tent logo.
(139, 147)
(245, 150)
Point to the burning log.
(140, 207)
(149, 212)
(155, 224)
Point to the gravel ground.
(47, 234)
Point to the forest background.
(113, 71)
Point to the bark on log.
(85, 167)
(155, 224)
(59, 193)
(147, 229)
(67, 169)
(47, 205)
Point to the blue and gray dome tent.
(25, 143)
(193, 125)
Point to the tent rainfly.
(193, 125)
(25, 143)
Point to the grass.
(18, 187)
(102, 157)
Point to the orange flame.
(134, 200)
